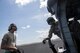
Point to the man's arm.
(4, 42)
(49, 36)
(50, 33)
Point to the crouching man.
(9, 40)
(53, 29)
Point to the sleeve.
(4, 41)
(50, 32)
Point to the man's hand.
(6, 47)
(11, 48)
(44, 41)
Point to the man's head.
(12, 27)
(50, 21)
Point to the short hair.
(50, 19)
(12, 25)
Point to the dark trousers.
(15, 51)
(52, 46)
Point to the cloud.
(44, 34)
(43, 3)
(26, 27)
(23, 27)
(21, 42)
(47, 15)
(42, 16)
(23, 2)
(37, 17)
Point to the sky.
(29, 16)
